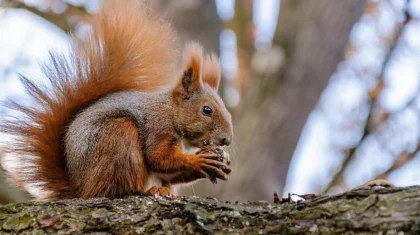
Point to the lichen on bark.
(363, 211)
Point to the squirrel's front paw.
(213, 163)
(223, 155)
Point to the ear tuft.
(193, 58)
(211, 71)
(192, 69)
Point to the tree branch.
(399, 162)
(364, 211)
(60, 20)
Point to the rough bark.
(363, 211)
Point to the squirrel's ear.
(211, 71)
(192, 70)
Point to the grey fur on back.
(84, 131)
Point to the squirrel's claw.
(213, 180)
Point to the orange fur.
(193, 62)
(161, 163)
(128, 49)
(211, 71)
(189, 167)
(191, 80)
(120, 173)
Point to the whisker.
(192, 186)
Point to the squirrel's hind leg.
(116, 162)
(164, 191)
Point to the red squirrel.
(120, 112)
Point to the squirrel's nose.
(226, 141)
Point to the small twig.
(288, 199)
(310, 196)
(276, 198)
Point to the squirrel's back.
(129, 48)
(86, 129)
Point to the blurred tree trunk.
(194, 21)
(312, 37)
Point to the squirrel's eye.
(207, 111)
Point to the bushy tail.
(129, 48)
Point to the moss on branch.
(363, 211)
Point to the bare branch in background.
(311, 36)
(61, 20)
(338, 178)
(399, 162)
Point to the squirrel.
(120, 112)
